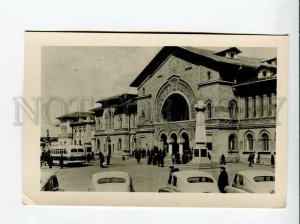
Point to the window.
(249, 142)
(199, 180)
(73, 150)
(80, 150)
(265, 142)
(79, 142)
(264, 178)
(120, 144)
(209, 109)
(232, 142)
(75, 142)
(246, 108)
(232, 109)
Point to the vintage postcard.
(164, 120)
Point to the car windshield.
(80, 150)
(111, 180)
(73, 150)
(264, 178)
(200, 180)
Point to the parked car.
(112, 181)
(49, 182)
(252, 181)
(190, 181)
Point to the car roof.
(192, 173)
(108, 174)
(255, 173)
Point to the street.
(146, 178)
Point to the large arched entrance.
(164, 144)
(175, 145)
(175, 108)
(186, 143)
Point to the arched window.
(98, 144)
(265, 142)
(232, 106)
(120, 144)
(209, 109)
(232, 142)
(249, 142)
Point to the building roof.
(116, 100)
(231, 49)
(97, 108)
(196, 56)
(76, 115)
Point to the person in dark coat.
(50, 161)
(177, 158)
(93, 156)
(222, 162)
(272, 160)
(88, 158)
(138, 156)
(101, 158)
(223, 180)
(108, 159)
(61, 161)
(250, 159)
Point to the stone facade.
(240, 98)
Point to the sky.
(93, 73)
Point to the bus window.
(80, 150)
(73, 150)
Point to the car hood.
(111, 188)
(265, 187)
(202, 187)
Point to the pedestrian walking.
(138, 156)
(93, 156)
(50, 161)
(88, 158)
(272, 160)
(108, 159)
(223, 180)
(209, 156)
(61, 161)
(222, 160)
(101, 158)
(258, 159)
(250, 160)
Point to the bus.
(71, 154)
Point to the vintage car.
(111, 181)
(49, 182)
(252, 181)
(190, 181)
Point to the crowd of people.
(47, 159)
(154, 156)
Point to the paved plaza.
(146, 178)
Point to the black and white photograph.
(161, 119)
